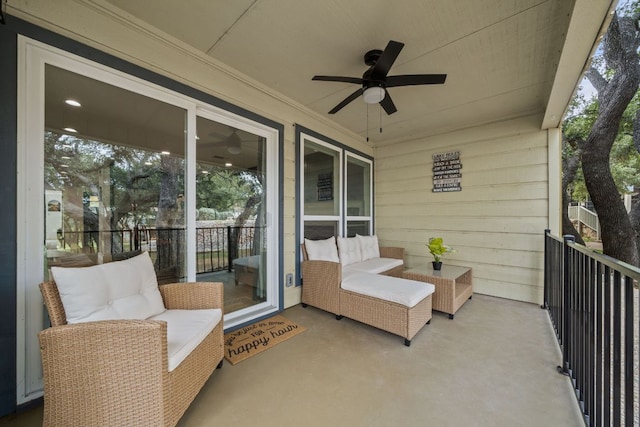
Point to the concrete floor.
(493, 365)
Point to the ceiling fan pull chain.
(380, 110)
(367, 123)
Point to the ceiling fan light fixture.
(373, 94)
(234, 149)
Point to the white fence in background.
(585, 217)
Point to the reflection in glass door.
(109, 192)
(231, 212)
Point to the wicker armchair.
(115, 372)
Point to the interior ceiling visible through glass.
(109, 114)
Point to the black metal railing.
(216, 247)
(593, 304)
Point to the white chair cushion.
(116, 290)
(368, 247)
(322, 250)
(375, 265)
(185, 331)
(252, 261)
(349, 250)
(393, 289)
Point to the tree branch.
(636, 130)
(596, 79)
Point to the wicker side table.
(454, 285)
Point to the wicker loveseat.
(378, 298)
(118, 372)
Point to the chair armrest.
(321, 284)
(325, 272)
(192, 296)
(391, 252)
(98, 370)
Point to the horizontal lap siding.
(495, 223)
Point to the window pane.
(114, 175)
(321, 180)
(357, 227)
(358, 187)
(317, 230)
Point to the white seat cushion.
(393, 289)
(116, 290)
(252, 261)
(185, 330)
(375, 265)
(322, 250)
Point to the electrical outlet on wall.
(289, 280)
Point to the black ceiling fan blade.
(356, 80)
(347, 100)
(387, 104)
(416, 79)
(386, 60)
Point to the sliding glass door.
(231, 207)
(110, 165)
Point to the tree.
(616, 81)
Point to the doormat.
(258, 337)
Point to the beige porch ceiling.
(504, 59)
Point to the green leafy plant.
(437, 248)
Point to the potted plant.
(437, 248)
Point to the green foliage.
(624, 160)
(128, 182)
(438, 249)
(222, 189)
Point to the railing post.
(566, 314)
(229, 252)
(136, 238)
(545, 302)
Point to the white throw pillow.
(322, 250)
(369, 247)
(116, 290)
(349, 248)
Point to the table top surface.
(447, 271)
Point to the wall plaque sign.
(325, 186)
(447, 172)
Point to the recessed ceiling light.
(228, 165)
(73, 103)
(165, 153)
(71, 130)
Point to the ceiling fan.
(375, 81)
(232, 142)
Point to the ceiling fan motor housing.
(371, 57)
